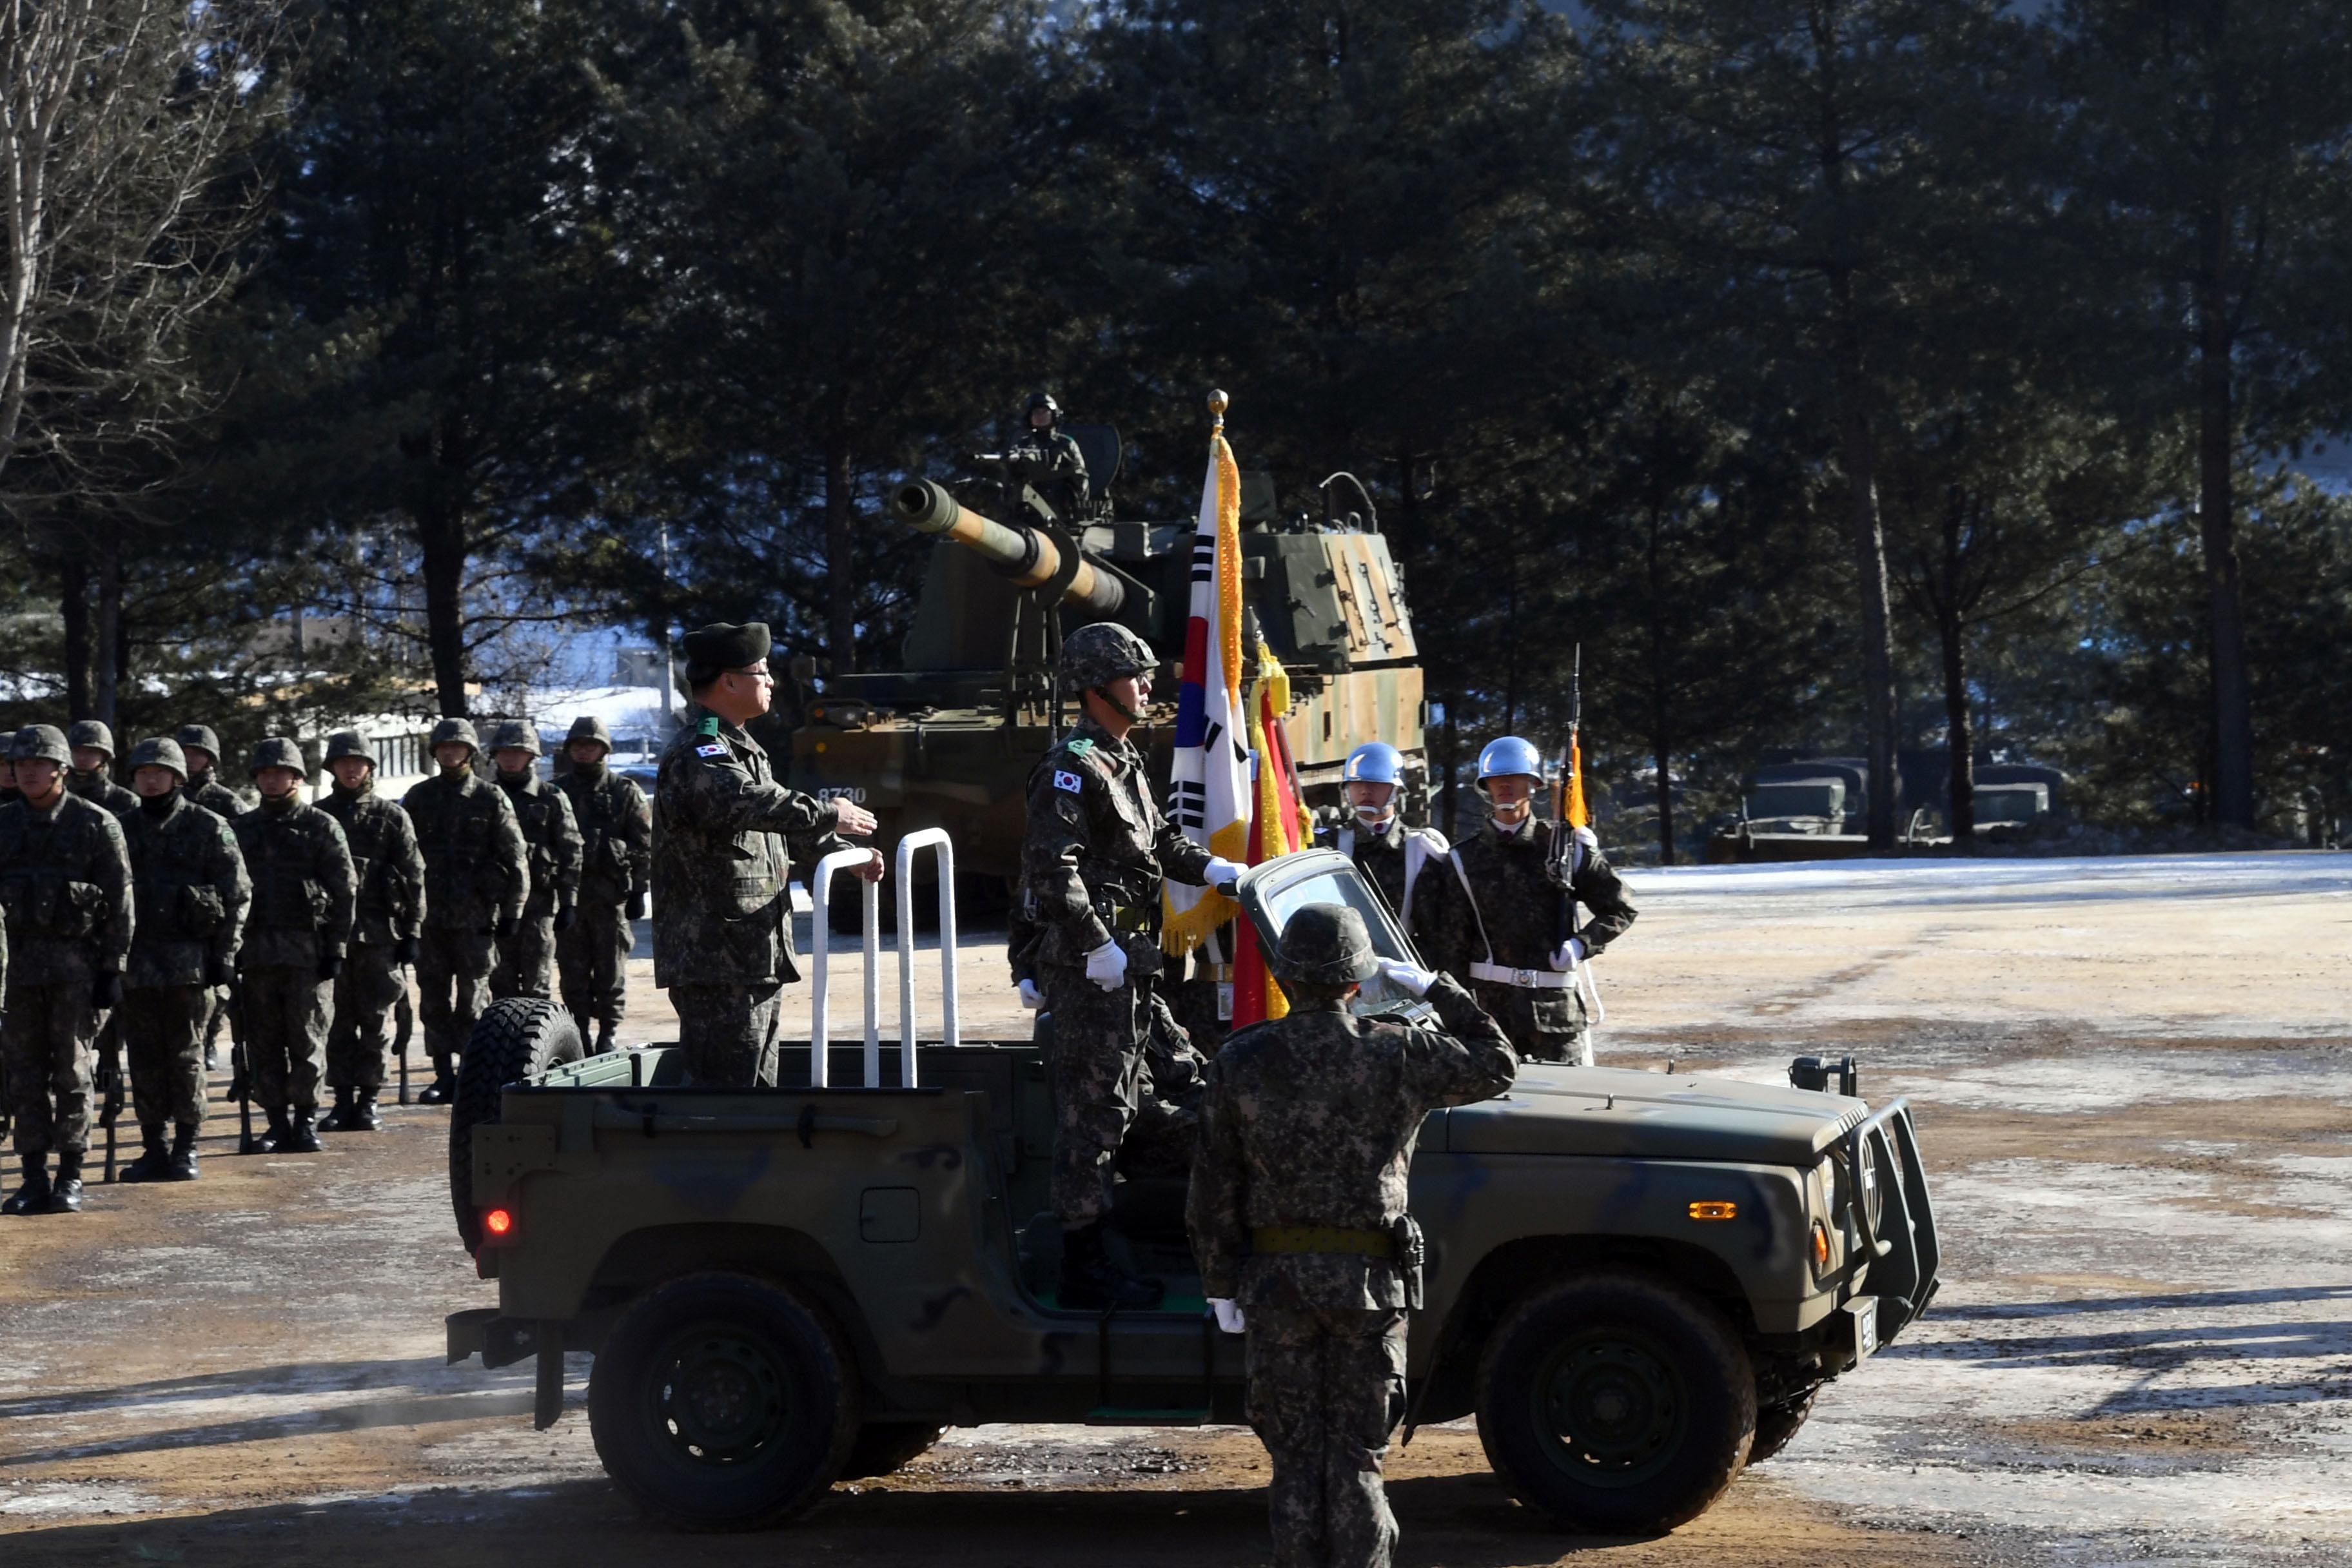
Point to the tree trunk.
(840, 552)
(441, 541)
(2233, 709)
(1959, 731)
(105, 682)
(1866, 538)
(1659, 687)
(73, 604)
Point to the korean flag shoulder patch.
(710, 749)
(1065, 780)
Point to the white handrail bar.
(820, 952)
(935, 839)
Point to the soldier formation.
(134, 922)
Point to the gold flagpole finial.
(1217, 402)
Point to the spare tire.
(519, 1037)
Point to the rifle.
(109, 1083)
(1569, 812)
(240, 1085)
(403, 1012)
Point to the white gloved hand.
(1569, 955)
(1221, 873)
(1030, 997)
(1107, 966)
(1229, 1317)
(1408, 976)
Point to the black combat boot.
(182, 1162)
(362, 1116)
(33, 1196)
(444, 1087)
(339, 1119)
(1091, 1282)
(64, 1193)
(272, 1137)
(604, 1027)
(301, 1132)
(152, 1164)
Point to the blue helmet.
(1374, 761)
(1510, 755)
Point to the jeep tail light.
(497, 1222)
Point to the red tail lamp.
(498, 1222)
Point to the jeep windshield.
(1277, 889)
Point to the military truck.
(948, 740)
(1637, 1282)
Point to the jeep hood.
(1616, 1113)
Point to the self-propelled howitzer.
(949, 738)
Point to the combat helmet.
(1374, 761)
(160, 751)
(200, 736)
(42, 742)
(349, 743)
(588, 727)
(1510, 755)
(454, 728)
(90, 733)
(1327, 945)
(1042, 400)
(1100, 653)
(515, 734)
(276, 751)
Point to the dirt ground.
(2134, 1096)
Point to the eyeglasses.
(757, 672)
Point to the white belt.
(1532, 979)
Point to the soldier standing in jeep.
(1093, 855)
(723, 914)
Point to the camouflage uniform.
(388, 878)
(96, 787)
(1051, 461)
(204, 785)
(616, 836)
(1306, 1141)
(1510, 926)
(526, 965)
(65, 883)
(475, 881)
(1094, 853)
(293, 952)
(722, 917)
(192, 892)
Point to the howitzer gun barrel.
(1027, 556)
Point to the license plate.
(1863, 1313)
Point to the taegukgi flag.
(1209, 778)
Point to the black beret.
(724, 646)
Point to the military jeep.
(1638, 1282)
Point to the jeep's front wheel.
(1616, 1404)
(723, 1402)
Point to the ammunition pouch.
(49, 904)
(1411, 1253)
(201, 910)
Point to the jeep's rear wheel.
(1616, 1404)
(516, 1037)
(723, 1402)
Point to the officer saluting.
(1498, 913)
(1092, 858)
(1298, 1216)
(722, 913)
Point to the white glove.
(1030, 997)
(1229, 1317)
(1407, 976)
(1567, 954)
(1220, 872)
(1107, 966)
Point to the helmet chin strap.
(1377, 818)
(1114, 705)
(1513, 814)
